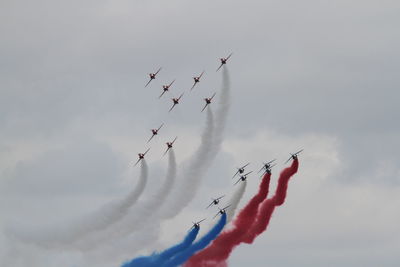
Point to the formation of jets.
(266, 167)
(175, 101)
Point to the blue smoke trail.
(156, 259)
(199, 245)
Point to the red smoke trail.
(248, 224)
(268, 206)
(222, 246)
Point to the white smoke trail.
(192, 173)
(202, 159)
(223, 109)
(138, 216)
(235, 200)
(191, 177)
(114, 251)
(63, 237)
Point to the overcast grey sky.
(318, 75)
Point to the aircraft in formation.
(196, 80)
(243, 177)
(176, 101)
(240, 170)
(294, 155)
(266, 168)
(152, 76)
(155, 132)
(197, 224)
(208, 101)
(215, 201)
(141, 156)
(224, 60)
(169, 145)
(166, 88)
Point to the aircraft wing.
(289, 159)
(248, 173)
(245, 165)
(298, 152)
(162, 94)
(229, 56)
(166, 151)
(235, 174)
(137, 162)
(216, 215)
(220, 66)
(226, 207)
(172, 107)
(147, 83)
(261, 169)
(270, 161)
(174, 139)
(151, 138)
(204, 107)
(157, 71)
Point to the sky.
(315, 75)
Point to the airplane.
(141, 156)
(215, 201)
(243, 177)
(176, 102)
(221, 211)
(208, 101)
(267, 170)
(240, 170)
(155, 132)
(294, 155)
(267, 166)
(196, 224)
(169, 144)
(166, 88)
(196, 80)
(152, 76)
(224, 60)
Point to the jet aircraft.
(152, 76)
(223, 61)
